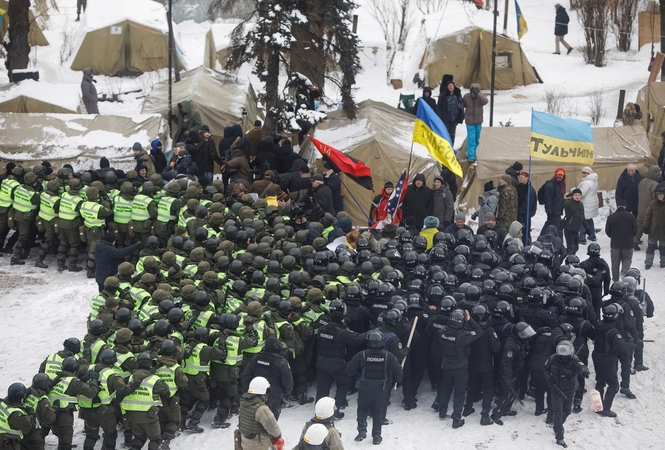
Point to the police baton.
(408, 344)
(510, 385)
(559, 390)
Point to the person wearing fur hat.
(507, 200)
(378, 211)
(430, 227)
(573, 220)
(450, 107)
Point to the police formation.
(234, 306)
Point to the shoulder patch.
(399, 345)
(631, 313)
(473, 333)
(509, 354)
(494, 333)
(619, 336)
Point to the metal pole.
(170, 24)
(505, 19)
(528, 206)
(354, 199)
(622, 98)
(496, 15)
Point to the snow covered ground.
(41, 308)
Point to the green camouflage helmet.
(315, 295)
(126, 269)
(197, 254)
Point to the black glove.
(134, 385)
(646, 231)
(93, 375)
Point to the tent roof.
(463, 16)
(35, 35)
(64, 96)
(500, 147)
(381, 138)
(76, 138)
(105, 13)
(221, 34)
(219, 98)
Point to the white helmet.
(259, 386)
(324, 408)
(316, 434)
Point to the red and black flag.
(340, 162)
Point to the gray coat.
(473, 105)
(489, 202)
(443, 205)
(89, 92)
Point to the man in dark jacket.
(271, 365)
(527, 200)
(266, 156)
(450, 107)
(322, 194)
(621, 228)
(107, 258)
(561, 28)
(157, 154)
(89, 92)
(188, 121)
(427, 98)
(627, 185)
(204, 154)
(334, 182)
(661, 156)
(232, 135)
(573, 221)
(288, 156)
(552, 198)
(417, 201)
(514, 172)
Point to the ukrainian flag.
(561, 140)
(431, 133)
(522, 29)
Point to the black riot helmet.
(73, 345)
(97, 327)
(375, 339)
(391, 317)
(16, 393)
(410, 259)
(144, 361)
(108, 357)
(285, 308)
(201, 334)
(136, 327)
(575, 306)
(448, 303)
(167, 348)
(480, 314)
(472, 294)
(42, 382)
(70, 364)
(618, 289)
(502, 309)
(593, 249)
(337, 306)
(611, 313)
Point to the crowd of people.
(213, 299)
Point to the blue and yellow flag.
(522, 29)
(561, 140)
(431, 133)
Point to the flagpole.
(408, 169)
(355, 200)
(528, 205)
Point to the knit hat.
(560, 171)
(517, 166)
(489, 216)
(577, 191)
(507, 178)
(204, 128)
(123, 336)
(621, 202)
(440, 178)
(317, 177)
(430, 222)
(345, 224)
(460, 216)
(389, 230)
(180, 144)
(587, 169)
(109, 237)
(137, 146)
(104, 162)
(489, 186)
(389, 184)
(269, 174)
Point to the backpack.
(541, 194)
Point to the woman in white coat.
(589, 188)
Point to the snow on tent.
(219, 99)
(381, 138)
(124, 36)
(500, 147)
(35, 35)
(29, 96)
(460, 43)
(218, 43)
(651, 99)
(77, 139)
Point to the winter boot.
(458, 423)
(607, 413)
(549, 420)
(165, 445)
(194, 427)
(648, 259)
(362, 432)
(640, 367)
(90, 273)
(39, 263)
(74, 268)
(496, 417)
(338, 414)
(577, 406)
(16, 261)
(468, 411)
(562, 443)
(628, 393)
(376, 439)
(303, 399)
(485, 419)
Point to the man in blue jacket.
(107, 258)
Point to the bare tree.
(594, 16)
(429, 6)
(395, 18)
(623, 13)
(595, 104)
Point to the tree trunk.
(306, 57)
(18, 48)
(272, 94)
